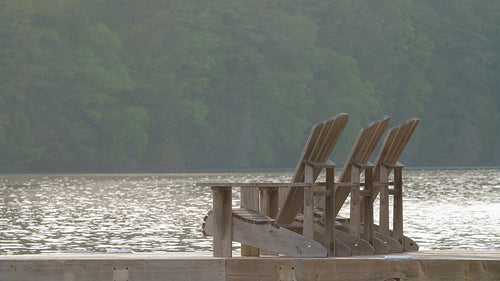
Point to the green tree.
(26, 58)
(259, 101)
(464, 92)
(153, 85)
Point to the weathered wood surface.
(329, 240)
(359, 247)
(260, 185)
(361, 238)
(118, 267)
(250, 201)
(256, 230)
(383, 243)
(390, 151)
(363, 148)
(425, 265)
(321, 142)
(393, 145)
(355, 246)
(222, 235)
(397, 217)
(386, 161)
(409, 245)
(319, 146)
(269, 202)
(378, 268)
(383, 203)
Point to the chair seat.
(251, 216)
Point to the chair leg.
(223, 235)
(250, 200)
(308, 228)
(398, 206)
(355, 213)
(368, 208)
(384, 202)
(329, 240)
(269, 200)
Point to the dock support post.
(223, 221)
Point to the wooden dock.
(423, 265)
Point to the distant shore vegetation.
(106, 85)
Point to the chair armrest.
(254, 184)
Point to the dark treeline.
(129, 85)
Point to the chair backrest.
(319, 146)
(393, 145)
(363, 148)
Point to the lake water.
(443, 209)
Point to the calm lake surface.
(443, 209)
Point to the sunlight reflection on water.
(443, 209)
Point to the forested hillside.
(135, 85)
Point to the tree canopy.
(106, 85)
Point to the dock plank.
(423, 265)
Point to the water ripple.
(443, 209)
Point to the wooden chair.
(387, 161)
(377, 182)
(260, 224)
(351, 239)
(298, 229)
(362, 240)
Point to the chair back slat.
(394, 143)
(318, 148)
(363, 148)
